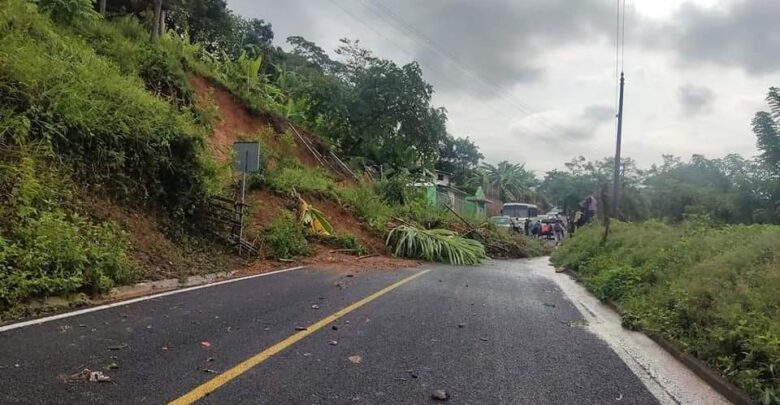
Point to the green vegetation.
(436, 245)
(345, 240)
(114, 133)
(286, 237)
(304, 179)
(711, 291)
(88, 106)
(47, 248)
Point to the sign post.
(246, 159)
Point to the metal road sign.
(246, 157)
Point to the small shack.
(439, 192)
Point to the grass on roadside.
(712, 291)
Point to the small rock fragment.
(315, 306)
(484, 339)
(461, 325)
(98, 376)
(118, 347)
(334, 327)
(333, 342)
(306, 354)
(440, 395)
(112, 366)
(299, 328)
(210, 371)
(549, 305)
(356, 359)
(205, 344)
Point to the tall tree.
(766, 126)
(459, 156)
(157, 19)
(511, 180)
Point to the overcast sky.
(534, 80)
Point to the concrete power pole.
(616, 185)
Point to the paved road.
(496, 334)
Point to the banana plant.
(313, 219)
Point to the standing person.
(559, 230)
(572, 223)
(527, 227)
(589, 208)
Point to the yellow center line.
(222, 379)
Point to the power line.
(407, 53)
(485, 83)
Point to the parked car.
(502, 221)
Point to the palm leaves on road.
(437, 245)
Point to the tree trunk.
(157, 18)
(103, 8)
(163, 15)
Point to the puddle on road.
(665, 377)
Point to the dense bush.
(303, 178)
(348, 241)
(56, 89)
(711, 291)
(362, 200)
(286, 237)
(46, 247)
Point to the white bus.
(518, 212)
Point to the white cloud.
(527, 72)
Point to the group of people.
(559, 226)
(553, 228)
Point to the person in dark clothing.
(527, 227)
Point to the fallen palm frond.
(437, 245)
(313, 219)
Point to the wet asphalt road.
(493, 334)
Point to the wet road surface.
(499, 333)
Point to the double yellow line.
(222, 379)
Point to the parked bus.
(519, 211)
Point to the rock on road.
(500, 333)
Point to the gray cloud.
(743, 34)
(567, 132)
(483, 47)
(598, 113)
(695, 99)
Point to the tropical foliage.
(437, 245)
(511, 180)
(712, 291)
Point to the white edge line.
(134, 300)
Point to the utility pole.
(616, 185)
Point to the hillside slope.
(235, 122)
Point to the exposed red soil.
(344, 221)
(156, 255)
(233, 120)
(337, 261)
(264, 206)
(236, 120)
